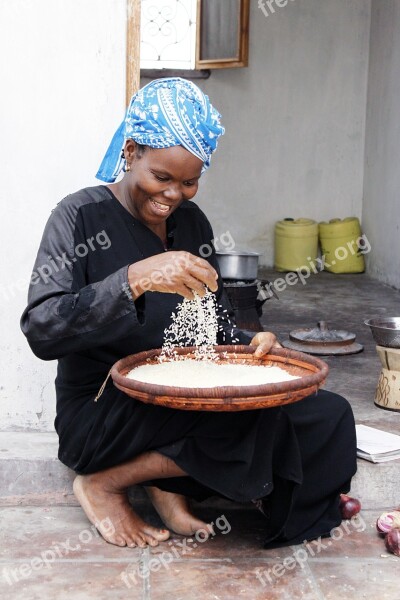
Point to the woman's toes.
(128, 539)
(159, 534)
(140, 542)
(118, 540)
(150, 540)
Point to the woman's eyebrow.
(160, 172)
(167, 174)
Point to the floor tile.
(239, 533)
(358, 580)
(217, 580)
(68, 581)
(354, 538)
(55, 533)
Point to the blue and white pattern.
(166, 112)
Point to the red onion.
(392, 541)
(349, 506)
(387, 521)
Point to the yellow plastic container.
(339, 241)
(296, 244)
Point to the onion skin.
(384, 523)
(387, 521)
(392, 541)
(349, 506)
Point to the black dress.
(295, 460)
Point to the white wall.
(294, 141)
(62, 91)
(295, 122)
(381, 207)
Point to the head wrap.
(166, 112)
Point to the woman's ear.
(129, 150)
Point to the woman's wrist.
(135, 278)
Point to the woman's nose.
(173, 192)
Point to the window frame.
(133, 72)
(242, 57)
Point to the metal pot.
(238, 265)
(385, 331)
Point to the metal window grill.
(168, 34)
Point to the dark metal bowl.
(238, 265)
(385, 331)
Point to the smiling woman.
(159, 181)
(292, 461)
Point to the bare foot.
(109, 510)
(175, 513)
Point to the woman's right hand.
(173, 272)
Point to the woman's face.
(159, 181)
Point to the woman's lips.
(159, 208)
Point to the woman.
(114, 262)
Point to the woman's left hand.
(265, 341)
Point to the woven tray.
(312, 372)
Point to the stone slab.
(52, 552)
(30, 473)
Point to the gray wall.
(295, 122)
(294, 142)
(381, 206)
(63, 91)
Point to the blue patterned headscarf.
(166, 112)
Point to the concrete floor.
(345, 302)
(51, 551)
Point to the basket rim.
(318, 375)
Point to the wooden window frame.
(133, 47)
(242, 57)
(133, 10)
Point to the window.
(222, 34)
(185, 37)
(168, 34)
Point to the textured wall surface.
(295, 121)
(63, 91)
(294, 143)
(381, 205)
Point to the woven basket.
(312, 372)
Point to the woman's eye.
(188, 183)
(160, 178)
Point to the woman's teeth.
(163, 207)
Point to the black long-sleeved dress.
(295, 460)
